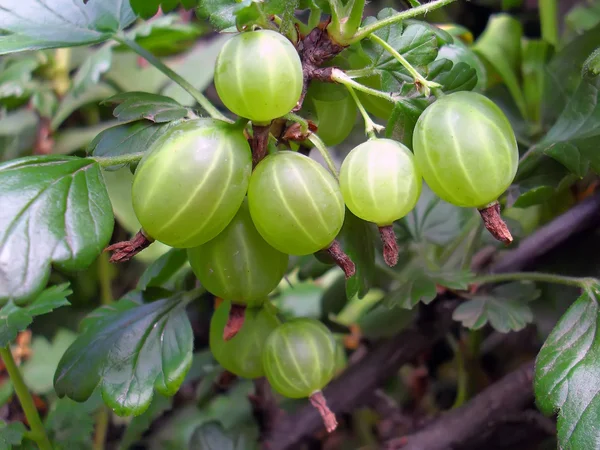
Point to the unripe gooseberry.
(299, 359)
(238, 264)
(466, 149)
(242, 354)
(295, 203)
(258, 75)
(380, 181)
(189, 186)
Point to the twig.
(453, 429)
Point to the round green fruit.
(295, 203)
(299, 358)
(189, 186)
(332, 109)
(459, 52)
(241, 355)
(466, 149)
(238, 264)
(258, 75)
(380, 181)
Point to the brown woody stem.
(234, 321)
(259, 142)
(125, 250)
(494, 223)
(390, 246)
(319, 402)
(341, 259)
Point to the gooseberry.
(299, 359)
(241, 355)
(295, 203)
(238, 264)
(258, 75)
(189, 186)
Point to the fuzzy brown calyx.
(235, 321)
(494, 224)
(390, 246)
(341, 259)
(318, 401)
(125, 250)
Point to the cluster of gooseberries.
(197, 189)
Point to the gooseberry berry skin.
(241, 355)
(189, 186)
(380, 181)
(295, 203)
(332, 109)
(466, 149)
(238, 264)
(258, 75)
(299, 358)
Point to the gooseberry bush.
(241, 199)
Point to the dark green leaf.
(70, 103)
(15, 76)
(140, 424)
(433, 220)
(225, 15)
(128, 351)
(148, 8)
(55, 210)
(126, 139)
(161, 270)
(96, 64)
(60, 23)
(567, 374)
(6, 391)
(11, 434)
(70, 425)
(536, 53)
(500, 47)
(403, 119)
(505, 308)
(45, 102)
(143, 105)
(382, 322)
(461, 77)
(14, 318)
(212, 436)
(39, 369)
(357, 241)
(17, 133)
(300, 300)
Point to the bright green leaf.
(55, 210)
(567, 374)
(14, 318)
(11, 434)
(161, 270)
(505, 308)
(143, 105)
(60, 23)
(128, 350)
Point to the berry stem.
(195, 93)
(108, 161)
(370, 126)
(235, 321)
(341, 259)
(583, 283)
(125, 250)
(322, 148)
(318, 401)
(390, 246)
(259, 142)
(494, 223)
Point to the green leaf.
(300, 300)
(161, 270)
(89, 73)
(500, 47)
(55, 210)
(45, 102)
(128, 350)
(432, 220)
(140, 424)
(143, 105)
(567, 374)
(70, 103)
(38, 370)
(14, 318)
(402, 121)
(536, 53)
(6, 391)
(505, 308)
(70, 425)
(129, 138)
(11, 434)
(357, 238)
(60, 23)
(461, 77)
(383, 322)
(212, 436)
(148, 8)
(225, 15)
(15, 76)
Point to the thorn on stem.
(319, 402)
(494, 223)
(390, 246)
(341, 259)
(125, 250)
(235, 321)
